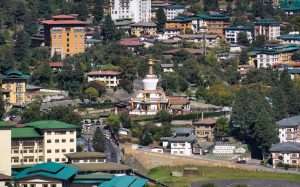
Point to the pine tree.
(161, 19)
(21, 48)
(99, 141)
(98, 11)
(109, 30)
(82, 10)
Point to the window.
(57, 160)
(63, 159)
(49, 151)
(49, 141)
(71, 140)
(53, 185)
(25, 185)
(56, 140)
(49, 160)
(16, 151)
(63, 150)
(63, 140)
(45, 185)
(56, 150)
(71, 132)
(71, 150)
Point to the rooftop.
(125, 181)
(176, 6)
(50, 170)
(289, 122)
(92, 178)
(267, 22)
(287, 147)
(181, 19)
(4, 177)
(56, 64)
(63, 20)
(178, 100)
(215, 16)
(24, 132)
(50, 124)
(205, 121)
(131, 42)
(276, 49)
(103, 73)
(290, 37)
(82, 155)
(239, 28)
(101, 167)
(144, 24)
(14, 74)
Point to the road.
(112, 149)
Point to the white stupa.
(150, 100)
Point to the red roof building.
(131, 42)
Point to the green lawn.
(162, 174)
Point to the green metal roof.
(24, 132)
(14, 74)
(93, 178)
(267, 22)
(290, 4)
(212, 16)
(51, 170)
(290, 37)
(181, 19)
(125, 181)
(239, 28)
(50, 124)
(275, 49)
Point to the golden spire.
(151, 63)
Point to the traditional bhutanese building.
(14, 88)
(180, 22)
(269, 28)
(150, 100)
(64, 35)
(108, 77)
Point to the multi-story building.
(86, 157)
(232, 33)
(180, 22)
(172, 11)
(290, 7)
(269, 28)
(181, 143)
(291, 38)
(64, 35)
(5, 147)
(109, 78)
(272, 55)
(143, 29)
(157, 4)
(42, 141)
(288, 150)
(212, 23)
(204, 129)
(136, 10)
(14, 82)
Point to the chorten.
(151, 99)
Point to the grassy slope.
(213, 173)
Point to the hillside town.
(139, 93)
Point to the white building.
(291, 38)
(221, 148)
(289, 129)
(5, 147)
(181, 143)
(86, 157)
(268, 28)
(42, 141)
(286, 153)
(167, 68)
(109, 78)
(137, 10)
(173, 11)
(232, 33)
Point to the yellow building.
(64, 35)
(142, 29)
(14, 87)
(182, 23)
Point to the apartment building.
(109, 78)
(212, 23)
(65, 35)
(181, 143)
(272, 55)
(42, 141)
(172, 11)
(143, 29)
(204, 129)
(290, 7)
(269, 28)
(14, 87)
(232, 33)
(291, 38)
(136, 10)
(5, 147)
(183, 23)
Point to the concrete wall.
(5, 147)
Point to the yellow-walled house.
(14, 88)
(64, 35)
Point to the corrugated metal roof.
(125, 181)
(286, 147)
(24, 132)
(289, 122)
(50, 124)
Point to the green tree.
(164, 116)
(222, 127)
(279, 103)
(253, 121)
(210, 5)
(44, 8)
(259, 41)
(63, 113)
(219, 94)
(2, 105)
(244, 57)
(21, 48)
(42, 75)
(81, 8)
(91, 92)
(99, 141)
(208, 185)
(243, 38)
(146, 138)
(109, 31)
(99, 86)
(161, 19)
(113, 121)
(32, 112)
(2, 39)
(98, 11)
